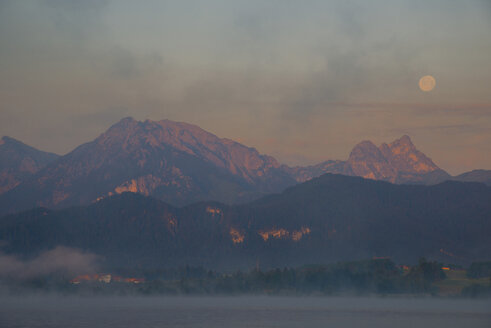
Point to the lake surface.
(303, 312)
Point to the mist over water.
(52, 311)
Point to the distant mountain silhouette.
(19, 161)
(330, 218)
(181, 163)
(483, 176)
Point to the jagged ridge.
(176, 162)
(397, 162)
(181, 163)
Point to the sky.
(303, 81)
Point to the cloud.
(76, 18)
(452, 128)
(328, 72)
(58, 260)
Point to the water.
(183, 312)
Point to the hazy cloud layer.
(58, 260)
(273, 74)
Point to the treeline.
(379, 276)
(479, 270)
(369, 277)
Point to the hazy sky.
(301, 80)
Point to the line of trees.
(376, 276)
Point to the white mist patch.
(57, 260)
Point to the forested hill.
(327, 219)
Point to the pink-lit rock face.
(236, 236)
(177, 162)
(213, 210)
(407, 158)
(281, 233)
(397, 162)
(367, 161)
(130, 135)
(389, 162)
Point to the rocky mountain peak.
(406, 158)
(405, 139)
(131, 135)
(395, 162)
(366, 160)
(6, 140)
(19, 161)
(174, 161)
(402, 145)
(365, 149)
(15, 149)
(125, 121)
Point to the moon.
(427, 83)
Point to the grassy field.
(456, 281)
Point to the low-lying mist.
(59, 260)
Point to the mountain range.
(326, 219)
(181, 163)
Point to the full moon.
(427, 83)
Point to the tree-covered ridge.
(328, 219)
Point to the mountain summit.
(189, 139)
(19, 161)
(397, 162)
(173, 161)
